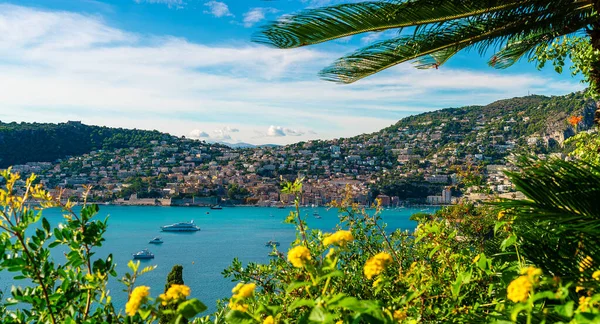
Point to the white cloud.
(275, 131)
(170, 3)
(58, 65)
(196, 133)
(278, 131)
(255, 15)
(218, 9)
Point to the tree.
(175, 277)
(515, 28)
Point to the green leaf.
(237, 317)
(301, 303)
(565, 310)
(319, 314)
(46, 225)
(508, 242)
(191, 308)
(296, 284)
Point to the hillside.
(410, 160)
(523, 123)
(36, 142)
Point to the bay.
(225, 234)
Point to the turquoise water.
(225, 234)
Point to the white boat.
(216, 207)
(143, 254)
(156, 240)
(316, 214)
(180, 227)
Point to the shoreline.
(256, 206)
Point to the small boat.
(316, 214)
(143, 254)
(180, 227)
(216, 207)
(272, 243)
(156, 240)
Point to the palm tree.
(439, 29)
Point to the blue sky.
(188, 67)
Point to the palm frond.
(559, 223)
(438, 43)
(526, 42)
(323, 24)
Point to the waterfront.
(225, 234)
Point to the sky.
(189, 68)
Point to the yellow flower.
(137, 298)
(584, 303)
(586, 263)
(298, 256)
(269, 320)
(340, 238)
(476, 258)
(376, 264)
(501, 215)
(518, 290)
(339, 322)
(243, 290)
(238, 307)
(175, 292)
(399, 315)
(579, 288)
(531, 272)
(596, 275)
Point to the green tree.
(440, 29)
(175, 277)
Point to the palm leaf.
(559, 223)
(323, 24)
(439, 43)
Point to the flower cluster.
(518, 290)
(575, 120)
(377, 264)
(175, 292)
(137, 298)
(298, 256)
(239, 307)
(340, 238)
(243, 290)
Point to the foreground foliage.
(534, 260)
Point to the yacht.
(180, 227)
(216, 207)
(143, 254)
(156, 240)
(272, 243)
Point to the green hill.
(36, 142)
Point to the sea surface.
(225, 234)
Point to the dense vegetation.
(36, 142)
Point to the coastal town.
(433, 152)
